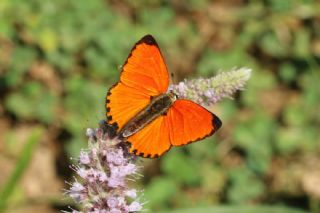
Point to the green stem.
(21, 166)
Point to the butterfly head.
(173, 96)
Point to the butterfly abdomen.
(158, 106)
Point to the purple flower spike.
(84, 158)
(104, 172)
(78, 192)
(211, 90)
(135, 206)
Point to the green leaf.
(287, 72)
(260, 80)
(211, 61)
(84, 103)
(255, 136)
(48, 40)
(281, 6)
(245, 186)
(33, 101)
(214, 179)
(294, 139)
(293, 116)
(289, 139)
(21, 61)
(180, 168)
(302, 43)
(271, 44)
(160, 191)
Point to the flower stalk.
(104, 170)
(208, 91)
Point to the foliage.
(58, 59)
(240, 209)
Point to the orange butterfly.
(151, 118)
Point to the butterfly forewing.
(145, 68)
(143, 76)
(123, 103)
(151, 141)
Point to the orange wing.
(151, 141)
(143, 75)
(185, 122)
(189, 122)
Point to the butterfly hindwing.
(185, 122)
(143, 76)
(151, 141)
(189, 122)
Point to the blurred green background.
(58, 59)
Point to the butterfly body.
(146, 115)
(158, 106)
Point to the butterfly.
(146, 113)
